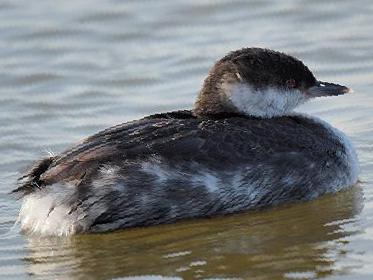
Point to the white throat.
(265, 103)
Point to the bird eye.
(291, 83)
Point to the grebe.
(240, 148)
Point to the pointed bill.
(327, 89)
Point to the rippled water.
(71, 68)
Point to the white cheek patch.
(269, 102)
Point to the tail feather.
(31, 181)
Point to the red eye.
(291, 83)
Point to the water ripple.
(69, 69)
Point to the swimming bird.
(240, 148)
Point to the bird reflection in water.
(305, 239)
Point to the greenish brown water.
(300, 239)
(69, 69)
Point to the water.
(71, 68)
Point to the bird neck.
(232, 96)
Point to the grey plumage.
(239, 149)
(250, 162)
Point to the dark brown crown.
(264, 67)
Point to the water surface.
(71, 68)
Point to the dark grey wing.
(128, 141)
(216, 143)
